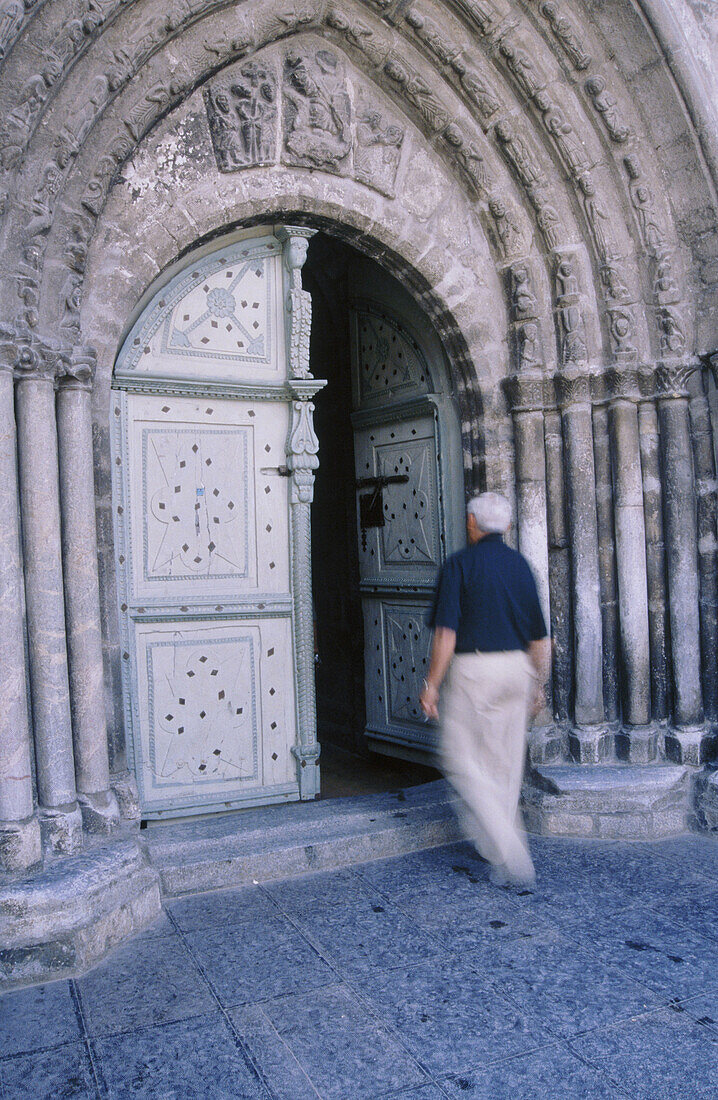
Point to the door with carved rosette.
(409, 516)
(213, 460)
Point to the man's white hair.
(491, 511)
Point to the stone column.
(655, 557)
(607, 563)
(526, 394)
(589, 740)
(705, 471)
(20, 844)
(60, 817)
(638, 742)
(559, 567)
(686, 742)
(82, 594)
(302, 460)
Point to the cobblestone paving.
(410, 977)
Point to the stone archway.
(560, 229)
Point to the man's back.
(488, 595)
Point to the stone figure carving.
(523, 300)
(565, 34)
(508, 227)
(317, 114)
(651, 231)
(153, 104)
(483, 14)
(547, 218)
(573, 345)
(564, 136)
(530, 352)
(665, 286)
(468, 156)
(377, 150)
(607, 108)
(613, 283)
(43, 201)
(71, 298)
(242, 116)
(11, 16)
(478, 90)
(418, 93)
(621, 331)
(518, 153)
(596, 216)
(673, 336)
(519, 63)
(447, 52)
(566, 279)
(359, 35)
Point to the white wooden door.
(203, 414)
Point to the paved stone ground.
(410, 977)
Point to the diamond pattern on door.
(409, 531)
(408, 645)
(202, 710)
(196, 503)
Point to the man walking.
(489, 627)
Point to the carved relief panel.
(223, 313)
(242, 116)
(317, 111)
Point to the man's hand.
(429, 700)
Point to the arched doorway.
(214, 459)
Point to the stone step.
(618, 801)
(276, 842)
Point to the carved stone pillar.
(655, 557)
(302, 460)
(607, 563)
(526, 394)
(589, 740)
(559, 568)
(705, 472)
(20, 844)
(638, 742)
(82, 594)
(686, 743)
(60, 817)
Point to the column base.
(637, 744)
(694, 745)
(308, 770)
(61, 829)
(547, 745)
(100, 812)
(590, 744)
(124, 788)
(20, 844)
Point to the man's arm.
(540, 656)
(442, 650)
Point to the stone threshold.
(275, 842)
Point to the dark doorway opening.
(347, 765)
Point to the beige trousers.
(484, 714)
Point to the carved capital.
(295, 241)
(623, 383)
(671, 379)
(79, 370)
(573, 387)
(39, 359)
(526, 391)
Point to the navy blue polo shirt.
(487, 594)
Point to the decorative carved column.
(589, 740)
(607, 563)
(82, 593)
(302, 460)
(559, 567)
(20, 844)
(60, 817)
(638, 742)
(686, 743)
